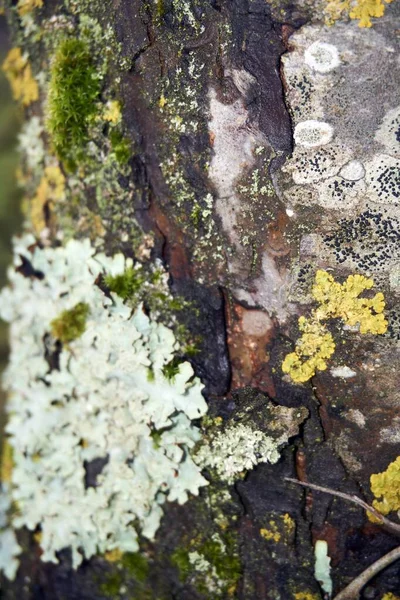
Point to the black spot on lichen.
(370, 240)
(386, 181)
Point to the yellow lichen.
(7, 462)
(336, 301)
(49, 190)
(305, 596)
(162, 101)
(358, 9)
(386, 488)
(113, 555)
(112, 112)
(24, 7)
(390, 596)
(288, 522)
(18, 71)
(365, 9)
(269, 535)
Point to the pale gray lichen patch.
(345, 98)
(104, 396)
(352, 171)
(322, 57)
(391, 434)
(383, 179)
(269, 290)
(356, 416)
(388, 133)
(312, 133)
(256, 323)
(343, 371)
(236, 450)
(317, 164)
(233, 146)
(238, 447)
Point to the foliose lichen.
(255, 434)
(336, 301)
(322, 568)
(9, 547)
(19, 73)
(362, 10)
(386, 488)
(100, 396)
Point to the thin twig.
(352, 591)
(386, 523)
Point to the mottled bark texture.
(209, 108)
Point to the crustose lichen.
(336, 301)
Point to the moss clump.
(137, 565)
(126, 285)
(71, 324)
(111, 587)
(171, 369)
(121, 147)
(212, 561)
(74, 89)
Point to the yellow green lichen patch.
(390, 596)
(210, 562)
(270, 534)
(336, 301)
(6, 461)
(281, 529)
(18, 71)
(50, 190)
(112, 112)
(362, 10)
(71, 324)
(386, 488)
(25, 7)
(305, 596)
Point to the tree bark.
(242, 218)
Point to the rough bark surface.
(211, 92)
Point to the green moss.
(74, 89)
(171, 369)
(112, 585)
(71, 324)
(126, 285)
(224, 558)
(180, 559)
(121, 147)
(137, 565)
(218, 561)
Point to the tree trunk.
(256, 157)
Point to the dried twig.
(352, 591)
(386, 523)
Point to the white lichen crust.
(9, 547)
(312, 133)
(105, 396)
(322, 57)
